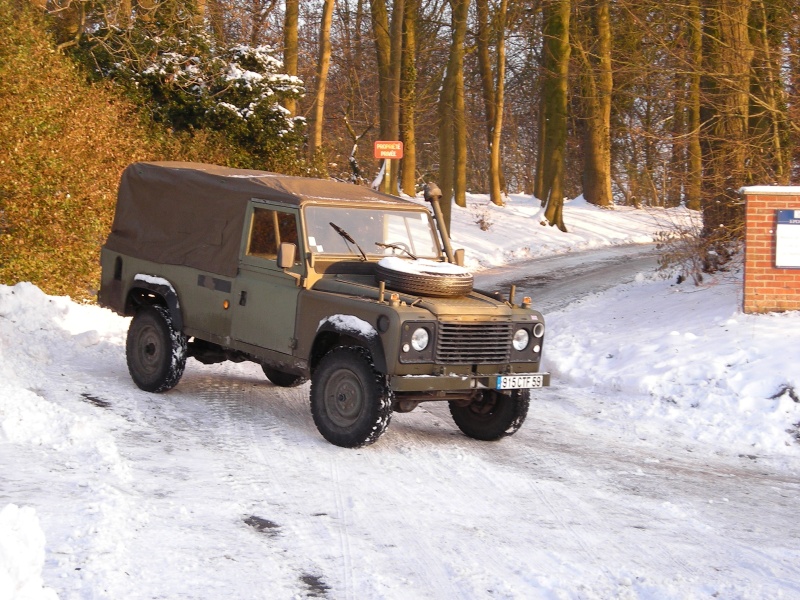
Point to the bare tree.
(553, 115)
(493, 88)
(725, 113)
(318, 110)
(408, 97)
(597, 83)
(694, 176)
(452, 124)
(290, 24)
(768, 121)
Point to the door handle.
(242, 298)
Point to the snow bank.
(22, 545)
(494, 235)
(685, 357)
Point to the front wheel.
(155, 351)
(350, 401)
(492, 415)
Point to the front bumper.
(454, 383)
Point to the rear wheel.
(282, 378)
(155, 351)
(350, 401)
(492, 415)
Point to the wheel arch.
(330, 337)
(148, 292)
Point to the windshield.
(400, 232)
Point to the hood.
(363, 286)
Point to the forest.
(638, 103)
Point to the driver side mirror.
(287, 254)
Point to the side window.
(268, 229)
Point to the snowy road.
(567, 508)
(222, 488)
(555, 281)
(570, 507)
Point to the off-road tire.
(155, 351)
(425, 284)
(282, 378)
(492, 415)
(350, 401)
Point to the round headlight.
(420, 339)
(538, 330)
(521, 339)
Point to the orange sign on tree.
(387, 149)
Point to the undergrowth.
(63, 145)
(694, 256)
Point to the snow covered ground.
(662, 463)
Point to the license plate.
(519, 382)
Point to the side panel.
(201, 295)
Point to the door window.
(268, 229)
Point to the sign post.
(388, 151)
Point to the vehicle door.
(265, 297)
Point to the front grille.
(473, 343)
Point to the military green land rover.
(355, 290)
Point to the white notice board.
(787, 240)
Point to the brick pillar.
(766, 287)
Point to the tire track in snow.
(671, 505)
(576, 513)
(343, 518)
(261, 420)
(204, 435)
(619, 498)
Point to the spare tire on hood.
(424, 277)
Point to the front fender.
(348, 330)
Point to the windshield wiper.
(397, 246)
(348, 238)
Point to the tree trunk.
(725, 114)
(674, 175)
(461, 13)
(538, 176)
(389, 49)
(694, 176)
(493, 90)
(290, 47)
(398, 14)
(497, 183)
(767, 119)
(408, 101)
(317, 115)
(483, 44)
(452, 125)
(446, 148)
(383, 50)
(554, 99)
(597, 87)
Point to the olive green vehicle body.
(245, 307)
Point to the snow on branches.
(191, 82)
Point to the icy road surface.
(556, 281)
